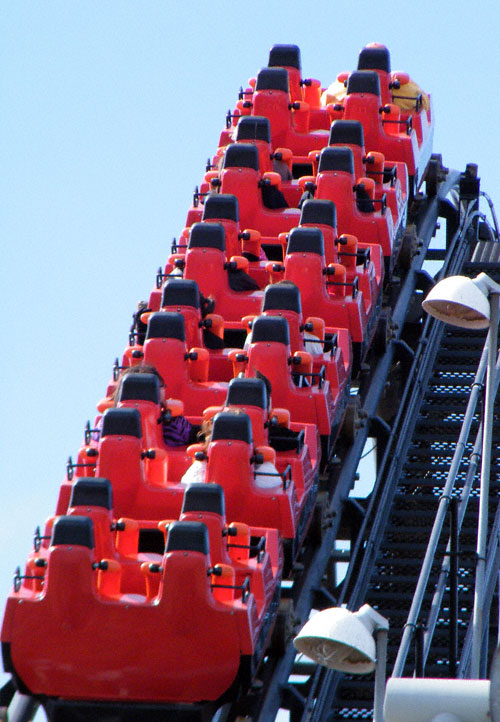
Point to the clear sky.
(110, 109)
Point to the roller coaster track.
(412, 347)
(388, 552)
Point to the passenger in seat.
(403, 96)
(138, 328)
(177, 430)
(266, 474)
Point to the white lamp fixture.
(342, 640)
(462, 301)
(339, 639)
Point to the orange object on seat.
(223, 582)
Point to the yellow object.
(405, 97)
(335, 93)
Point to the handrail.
(324, 682)
(491, 579)
(464, 497)
(437, 527)
(440, 517)
(398, 434)
(445, 568)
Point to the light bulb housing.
(462, 301)
(342, 640)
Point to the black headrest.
(74, 530)
(272, 79)
(253, 127)
(346, 132)
(282, 296)
(338, 158)
(140, 387)
(121, 422)
(363, 81)
(180, 292)
(228, 425)
(319, 211)
(187, 536)
(247, 392)
(204, 497)
(287, 56)
(241, 155)
(377, 58)
(208, 235)
(166, 324)
(92, 492)
(306, 240)
(221, 206)
(270, 329)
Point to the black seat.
(271, 329)
(121, 422)
(228, 425)
(319, 211)
(74, 531)
(253, 127)
(241, 155)
(377, 58)
(180, 292)
(94, 491)
(166, 324)
(336, 159)
(188, 536)
(221, 206)
(272, 79)
(208, 235)
(284, 296)
(346, 132)
(363, 81)
(285, 56)
(247, 392)
(205, 498)
(306, 240)
(140, 387)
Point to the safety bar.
(259, 548)
(244, 588)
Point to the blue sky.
(110, 109)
